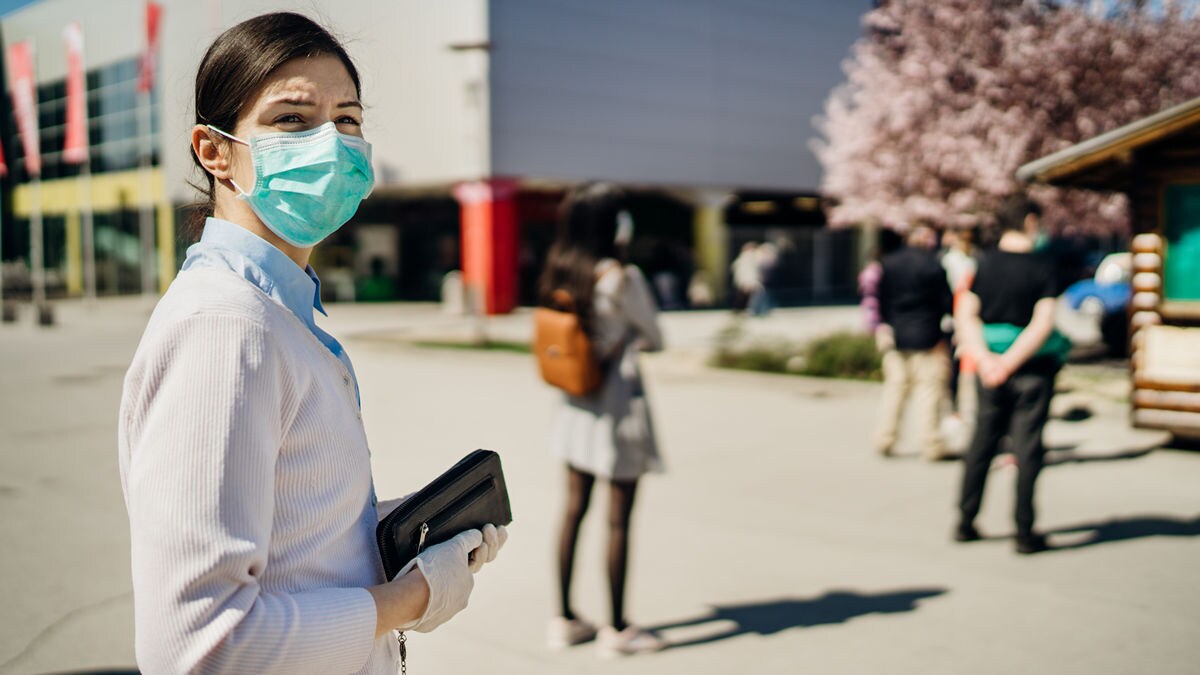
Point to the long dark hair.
(237, 64)
(587, 229)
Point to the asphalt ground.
(777, 542)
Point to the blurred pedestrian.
(958, 256)
(868, 291)
(958, 259)
(767, 256)
(1006, 322)
(699, 291)
(913, 298)
(243, 461)
(607, 434)
(747, 276)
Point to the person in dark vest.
(913, 298)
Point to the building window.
(1181, 229)
(114, 133)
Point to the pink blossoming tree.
(946, 98)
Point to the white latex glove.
(449, 578)
(493, 539)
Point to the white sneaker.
(632, 640)
(562, 632)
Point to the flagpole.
(36, 254)
(146, 215)
(5, 316)
(89, 237)
(145, 123)
(76, 151)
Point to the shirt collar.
(225, 244)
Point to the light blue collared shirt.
(230, 247)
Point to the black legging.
(620, 507)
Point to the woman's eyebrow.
(306, 102)
(291, 100)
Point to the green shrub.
(489, 345)
(845, 354)
(762, 358)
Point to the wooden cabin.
(1156, 162)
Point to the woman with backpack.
(606, 433)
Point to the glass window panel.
(1181, 262)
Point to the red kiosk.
(489, 243)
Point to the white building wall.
(417, 91)
(672, 92)
(677, 92)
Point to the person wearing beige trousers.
(913, 298)
(922, 376)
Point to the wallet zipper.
(421, 541)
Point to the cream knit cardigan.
(247, 479)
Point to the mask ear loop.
(624, 233)
(235, 139)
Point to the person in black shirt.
(913, 298)
(1006, 322)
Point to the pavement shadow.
(1066, 457)
(774, 616)
(1124, 529)
(105, 671)
(1076, 413)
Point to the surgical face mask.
(307, 184)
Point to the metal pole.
(36, 262)
(89, 241)
(146, 214)
(3, 307)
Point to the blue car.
(1108, 292)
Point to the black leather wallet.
(467, 496)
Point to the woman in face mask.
(243, 458)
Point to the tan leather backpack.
(562, 348)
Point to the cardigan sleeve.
(637, 303)
(202, 420)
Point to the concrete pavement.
(777, 542)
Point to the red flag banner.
(24, 96)
(75, 148)
(150, 56)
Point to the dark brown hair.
(1013, 210)
(237, 64)
(587, 229)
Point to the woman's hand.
(493, 539)
(993, 370)
(446, 569)
(437, 584)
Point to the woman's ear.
(211, 152)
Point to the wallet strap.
(401, 638)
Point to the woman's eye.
(346, 119)
(290, 118)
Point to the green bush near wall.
(845, 355)
(848, 355)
